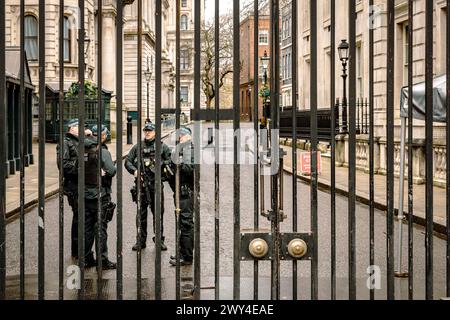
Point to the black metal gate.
(277, 245)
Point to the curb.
(439, 229)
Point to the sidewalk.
(362, 190)
(51, 176)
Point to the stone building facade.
(187, 37)
(379, 22)
(71, 25)
(246, 89)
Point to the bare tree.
(208, 55)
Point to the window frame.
(265, 33)
(184, 59)
(68, 39)
(35, 37)
(184, 22)
(184, 94)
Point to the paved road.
(226, 247)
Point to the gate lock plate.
(259, 246)
(256, 246)
(296, 246)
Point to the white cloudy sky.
(225, 6)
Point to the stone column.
(109, 60)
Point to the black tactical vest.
(91, 165)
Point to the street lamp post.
(148, 78)
(265, 64)
(343, 51)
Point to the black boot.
(136, 247)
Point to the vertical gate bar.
(177, 171)
(294, 27)
(448, 158)
(371, 148)
(197, 61)
(216, 151)
(314, 142)
(61, 149)
(429, 146)
(99, 142)
(81, 166)
(256, 146)
(119, 148)
(390, 149)
(274, 100)
(139, 142)
(21, 181)
(410, 151)
(158, 183)
(352, 152)
(41, 175)
(3, 142)
(333, 148)
(236, 144)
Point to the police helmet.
(185, 130)
(104, 130)
(149, 127)
(73, 123)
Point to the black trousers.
(91, 225)
(186, 227)
(72, 198)
(144, 214)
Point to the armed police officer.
(184, 157)
(70, 173)
(108, 207)
(148, 177)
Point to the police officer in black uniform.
(184, 156)
(108, 207)
(148, 159)
(70, 172)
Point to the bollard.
(129, 130)
(210, 136)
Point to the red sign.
(305, 163)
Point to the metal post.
(158, 146)
(390, 149)
(334, 117)
(352, 152)
(99, 143)
(294, 27)
(197, 88)
(3, 108)
(344, 98)
(19, 114)
(177, 125)
(119, 153)
(314, 142)
(400, 216)
(410, 152)
(81, 166)
(139, 157)
(236, 167)
(448, 158)
(371, 151)
(429, 11)
(130, 130)
(216, 152)
(41, 176)
(61, 149)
